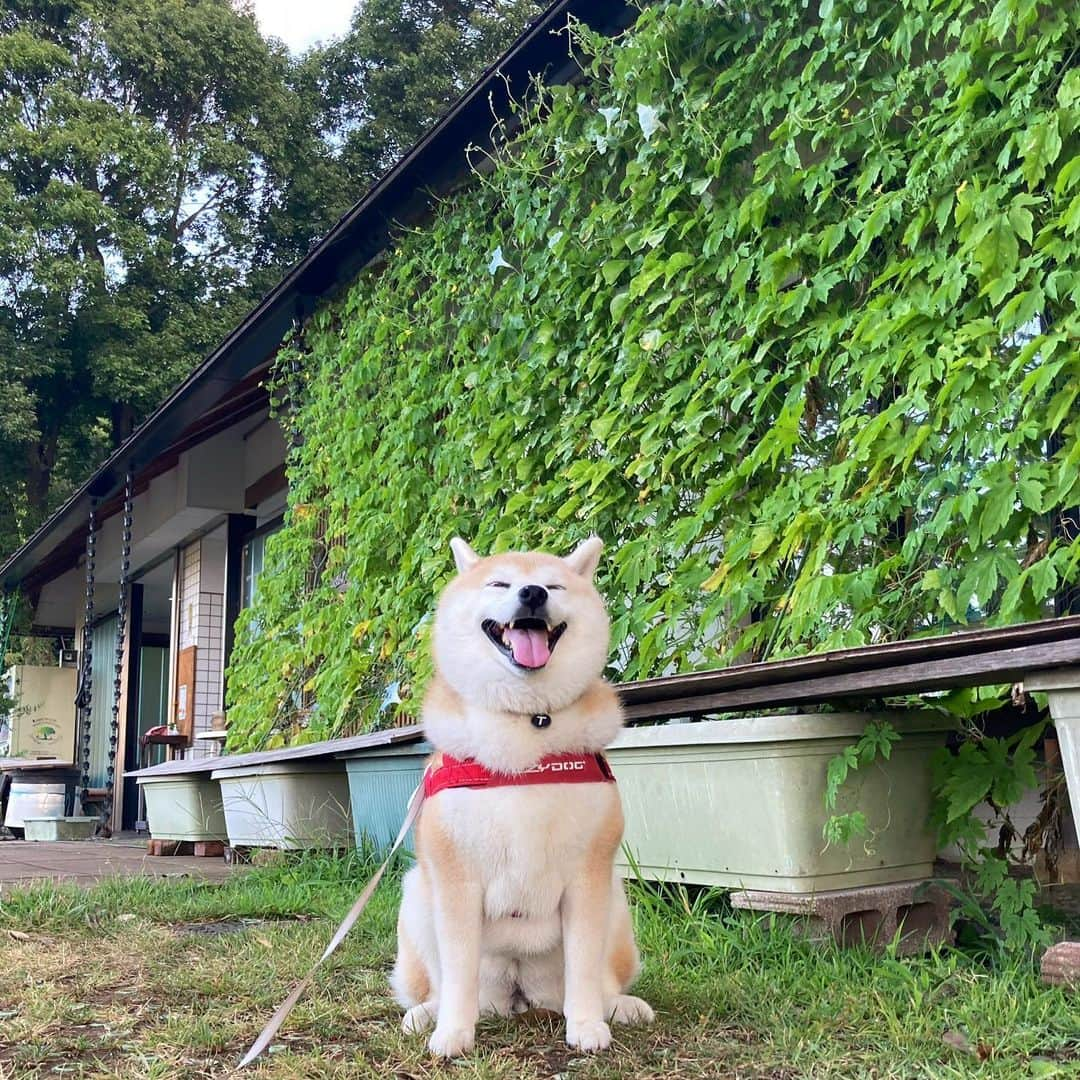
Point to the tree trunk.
(40, 462)
(122, 423)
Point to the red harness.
(553, 769)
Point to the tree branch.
(211, 201)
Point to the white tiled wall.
(202, 620)
(189, 594)
(208, 658)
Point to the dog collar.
(553, 769)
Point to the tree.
(160, 165)
(401, 65)
(145, 149)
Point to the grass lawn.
(174, 978)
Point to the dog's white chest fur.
(525, 843)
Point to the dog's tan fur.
(514, 901)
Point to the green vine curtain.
(781, 302)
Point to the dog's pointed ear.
(464, 556)
(584, 558)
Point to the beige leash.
(286, 1007)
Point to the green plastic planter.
(291, 805)
(740, 803)
(380, 785)
(183, 807)
(59, 828)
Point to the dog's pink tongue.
(530, 647)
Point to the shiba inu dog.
(514, 902)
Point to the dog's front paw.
(588, 1034)
(419, 1018)
(627, 1009)
(450, 1042)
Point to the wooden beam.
(270, 483)
(39, 630)
(1006, 665)
(863, 659)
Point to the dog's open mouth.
(527, 642)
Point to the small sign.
(44, 733)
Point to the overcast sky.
(300, 23)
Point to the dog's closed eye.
(498, 584)
(551, 587)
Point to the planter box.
(183, 807)
(380, 785)
(740, 803)
(299, 804)
(59, 828)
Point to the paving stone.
(84, 861)
(869, 915)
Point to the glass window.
(254, 562)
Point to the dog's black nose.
(533, 596)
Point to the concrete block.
(168, 847)
(869, 915)
(1061, 965)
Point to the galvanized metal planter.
(183, 808)
(291, 805)
(740, 802)
(33, 799)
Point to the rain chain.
(84, 696)
(121, 625)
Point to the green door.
(153, 688)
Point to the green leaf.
(1001, 18)
(613, 269)
(645, 277)
(601, 426)
(1039, 148)
(1044, 579)
(1031, 493)
(1021, 219)
(677, 262)
(1068, 175)
(998, 252)
(1068, 94)
(966, 792)
(761, 540)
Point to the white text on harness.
(557, 766)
